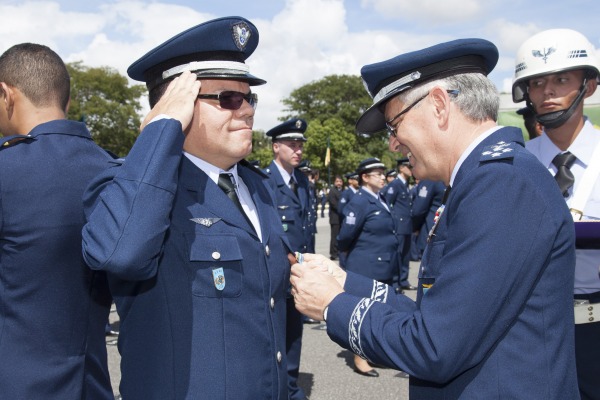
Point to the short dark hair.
(38, 72)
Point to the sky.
(301, 41)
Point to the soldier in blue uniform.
(397, 195)
(189, 231)
(52, 307)
(304, 167)
(368, 235)
(291, 189)
(555, 70)
(428, 199)
(351, 190)
(493, 317)
(390, 175)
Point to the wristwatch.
(325, 313)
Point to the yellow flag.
(327, 156)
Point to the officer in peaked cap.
(391, 174)
(291, 188)
(351, 190)
(500, 243)
(397, 194)
(189, 236)
(368, 235)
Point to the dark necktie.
(293, 186)
(564, 176)
(226, 184)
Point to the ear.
(441, 103)
(7, 99)
(591, 86)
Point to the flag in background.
(327, 156)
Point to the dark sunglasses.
(231, 100)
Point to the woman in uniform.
(368, 235)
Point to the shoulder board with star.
(499, 151)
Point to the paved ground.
(325, 368)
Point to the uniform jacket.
(428, 199)
(397, 195)
(200, 297)
(345, 198)
(333, 197)
(293, 210)
(53, 309)
(368, 235)
(494, 312)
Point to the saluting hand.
(178, 100)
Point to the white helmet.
(552, 51)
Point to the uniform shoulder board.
(251, 167)
(9, 141)
(498, 151)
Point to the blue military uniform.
(494, 315)
(294, 217)
(397, 195)
(52, 307)
(200, 295)
(304, 167)
(346, 195)
(427, 200)
(368, 235)
(438, 344)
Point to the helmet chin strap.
(555, 119)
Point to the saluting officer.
(189, 232)
(292, 197)
(398, 196)
(368, 235)
(493, 317)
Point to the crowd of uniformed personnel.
(194, 244)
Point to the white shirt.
(285, 175)
(240, 188)
(587, 279)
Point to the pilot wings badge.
(207, 222)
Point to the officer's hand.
(325, 264)
(178, 100)
(313, 289)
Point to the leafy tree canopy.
(102, 98)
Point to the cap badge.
(298, 124)
(241, 34)
(543, 53)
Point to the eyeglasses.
(391, 127)
(231, 100)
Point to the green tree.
(102, 98)
(331, 106)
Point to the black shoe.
(409, 287)
(370, 373)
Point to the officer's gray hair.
(477, 96)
